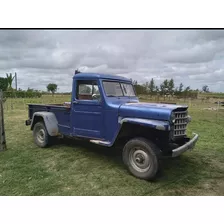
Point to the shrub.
(23, 94)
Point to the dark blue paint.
(99, 120)
(88, 119)
(96, 76)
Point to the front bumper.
(187, 146)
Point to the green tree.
(179, 90)
(181, 86)
(171, 87)
(3, 84)
(146, 87)
(10, 79)
(140, 89)
(52, 87)
(205, 89)
(152, 87)
(164, 87)
(187, 91)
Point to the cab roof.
(100, 76)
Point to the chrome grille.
(180, 124)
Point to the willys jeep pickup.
(105, 110)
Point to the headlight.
(172, 117)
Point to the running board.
(98, 142)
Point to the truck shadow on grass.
(187, 169)
(90, 149)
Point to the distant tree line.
(166, 88)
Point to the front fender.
(50, 122)
(159, 125)
(154, 124)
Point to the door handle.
(75, 101)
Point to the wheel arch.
(149, 129)
(50, 121)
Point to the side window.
(87, 90)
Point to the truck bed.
(61, 111)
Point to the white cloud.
(40, 56)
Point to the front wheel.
(141, 157)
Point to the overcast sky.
(39, 57)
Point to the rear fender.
(50, 122)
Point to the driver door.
(87, 110)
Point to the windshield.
(117, 89)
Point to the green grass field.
(212, 95)
(78, 168)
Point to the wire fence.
(20, 103)
(204, 103)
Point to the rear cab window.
(87, 90)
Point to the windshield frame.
(120, 84)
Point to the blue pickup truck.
(105, 110)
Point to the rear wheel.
(40, 134)
(142, 158)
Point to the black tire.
(141, 157)
(40, 134)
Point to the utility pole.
(16, 80)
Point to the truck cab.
(105, 110)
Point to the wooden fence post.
(2, 127)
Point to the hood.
(148, 110)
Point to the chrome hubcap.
(41, 135)
(139, 159)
